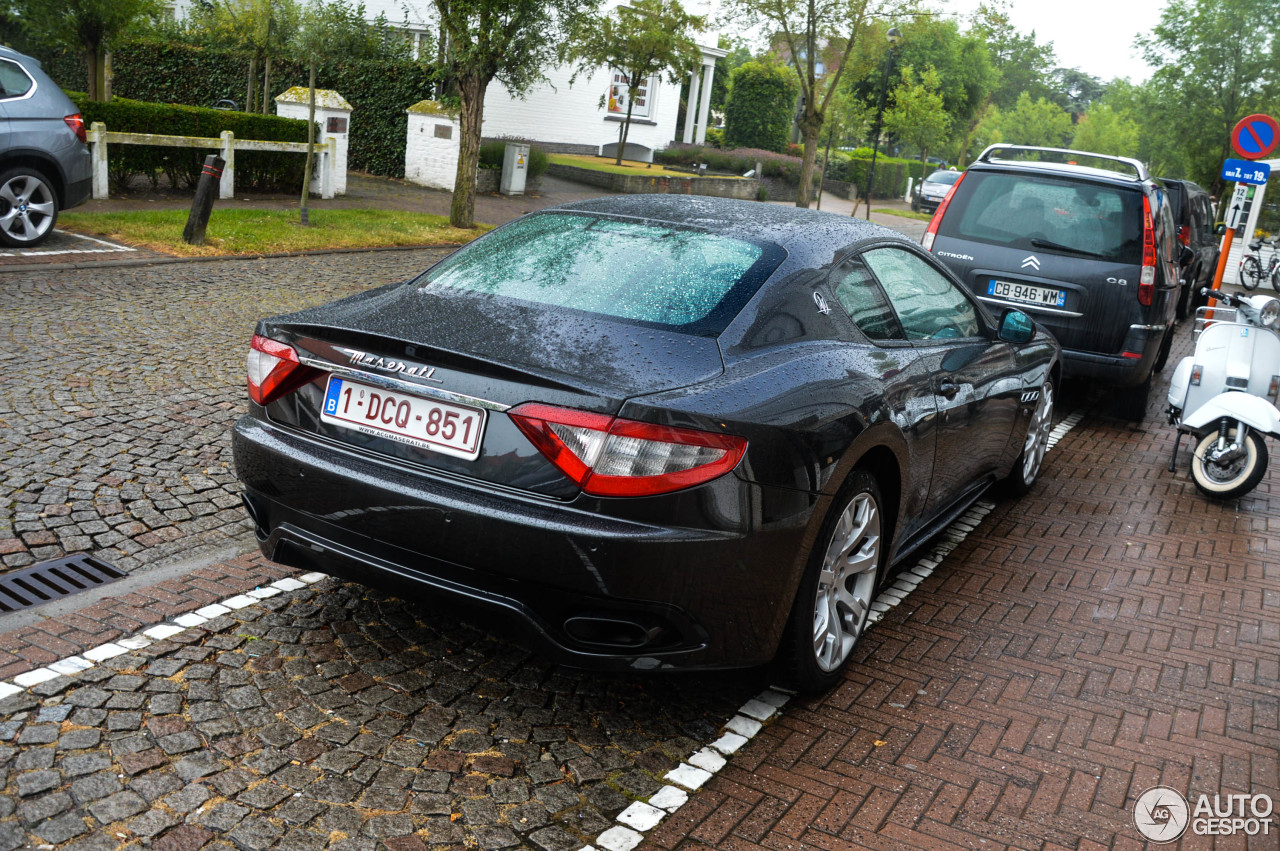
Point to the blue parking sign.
(1243, 171)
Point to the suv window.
(928, 305)
(1040, 212)
(14, 82)
(862, 298)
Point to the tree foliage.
(760, 108)
(1215, 62)
(819, 37)
(919, 115)
(1035, 122)
(646, 39)
(90, 26)
(1107, 130)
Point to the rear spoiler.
(1139, 169)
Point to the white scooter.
(1226, 393)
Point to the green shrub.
(735, 161)
(715, 137)
(491, 154)
(891, 173)
(379, 92)
(761, 106)
(257, 169)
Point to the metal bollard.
(202, 205)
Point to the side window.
(862, 298)
(14, 82)
(928, 305)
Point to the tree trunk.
(95, 61)
(462, 211)
(253, 79)
(626, 126)
(810, 131)
(266, 85)
(311, 143)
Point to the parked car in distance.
(1089, 250)
(1193, 217)
(661, 431)
(44, 161)
(929, 194)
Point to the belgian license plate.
(1026, 293)
(426, 423)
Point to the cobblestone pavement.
(332, 717)
(117, 391)
(1110, 632)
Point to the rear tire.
(1026, 470)
(28, 207)
(1132, 404)
(831, 606)
(1232, 480)
(1162, 356)
(1250, 273)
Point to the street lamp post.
(893, 36)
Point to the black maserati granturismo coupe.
(661, 431)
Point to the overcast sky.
(1095, 36)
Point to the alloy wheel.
(27, 208)
(846, 582)
(1037, 442)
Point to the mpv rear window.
(1051, 214)
(645, 272)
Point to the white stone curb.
(158, 632)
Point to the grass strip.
(249, 232)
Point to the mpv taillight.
(611, 456)
(76, 123)
(1147, 283)
(932, 233)
(274, 370)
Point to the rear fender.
(1258, 414)
(1180, 382)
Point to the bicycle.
(1251, 273)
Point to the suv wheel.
(28, 207)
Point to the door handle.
(949, 389)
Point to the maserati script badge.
(399, 367)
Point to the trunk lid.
(479, 354)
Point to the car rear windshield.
(1058, 215)
(639, 271)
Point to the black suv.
(1084, 242)
(1193, 216)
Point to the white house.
(569, 118)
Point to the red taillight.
(76, 123)
(274, 370)
(932, 233)
(1184, 235)
(1147, 283)
(611, 456)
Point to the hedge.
(379, 92)
(891, 173)
(761, 106)
(257, 169)
(735, 161)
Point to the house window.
(618, 96)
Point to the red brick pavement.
(1111, 632)
(113, 617)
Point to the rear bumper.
(78, 192)
(598, 591)
(1117, 370)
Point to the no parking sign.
(1255, 136)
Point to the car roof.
(798, 230)
(1060, 170)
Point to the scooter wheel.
(1231, 479)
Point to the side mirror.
(1220, 230)
(1016, 326)
(1185, 256)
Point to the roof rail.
(1138, 167)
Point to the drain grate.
(52, 580)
